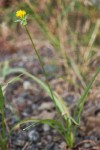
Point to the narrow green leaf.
(1, 100)
(13, 80)
(58, 100)
(2, 137)
(83, 98)
(51, 122)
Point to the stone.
(33, 136)
(46, 127)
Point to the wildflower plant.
(67, 128)
(67, 125)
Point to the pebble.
(54, 131)
(19, 100)
(33, 136)
(87, 145)
(69, 99)
(46, 127)
(19, 139)
(49, 138)
(20, 142)
(32, 147)
(47, 106)
(94, 138)
(26, 85)
(50, 146)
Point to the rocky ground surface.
(25, 99)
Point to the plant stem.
(71, 140)
(41, 63)
(3, 133)
(3, 138)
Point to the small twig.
(25, 146)
(85, 141)
(8, 130)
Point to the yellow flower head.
(20, 14)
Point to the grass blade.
(3, 138)
(52, 123)
(79, 109)
(58, 100)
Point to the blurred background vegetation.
(72, 27)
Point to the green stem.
(70, 142)
(41, 63)
(3, 138)
(3, 127)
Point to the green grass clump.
(69, 123)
